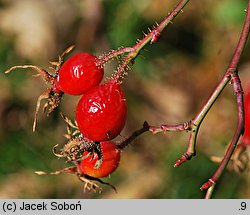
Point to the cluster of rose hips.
(100, 114)
(102, 110)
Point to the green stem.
(197, 120)
(210, 192)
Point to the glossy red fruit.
(78, 74)
(246, 136)
(111, 159)
(101, 112)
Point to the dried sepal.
(91, 185)
(71, 170)
(53, 96)
(41, 72)
(239, 161)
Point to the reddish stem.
(239, 131)
(151, 38)
(231, 72)
(230, 75)
(162, 128)
(121, 145)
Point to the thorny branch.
(151, 38)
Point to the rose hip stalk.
(76, 76)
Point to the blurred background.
(168, 84)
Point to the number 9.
(243, 205)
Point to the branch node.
(184, 158)
(187, 125)
(146, 125)
(231, 72)
(208, 184)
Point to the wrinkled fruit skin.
(111, 159)
(78, 74)
(101, 112)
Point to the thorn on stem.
(155, 37)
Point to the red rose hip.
(111, 159)
(78, 74)
(101, 112)
(75, 76)
(246, 135)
